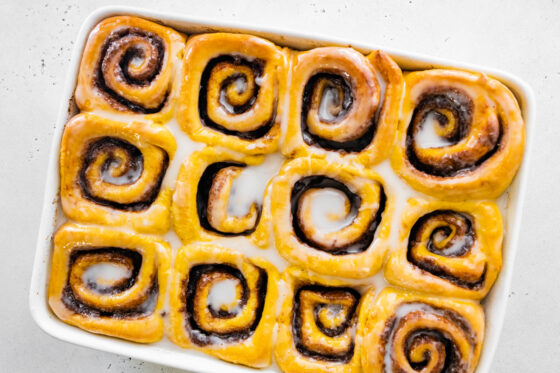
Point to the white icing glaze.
(131, 176)
(185, 147)
(105, 274)
(427, 136)
(455, 247)
(328, 211)
(223, 294)
(330, 101)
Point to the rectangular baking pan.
(164, 352)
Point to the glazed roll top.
(130, 65)
(233, 92)
(109, 166)
(448, 248)
(332, 218)
(224, 304)
(110, 282)
(221, 193)
(406, 332)
(317, 326)
(462, 135)
(343, 102)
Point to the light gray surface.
(521, 37)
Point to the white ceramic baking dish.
(165, 352)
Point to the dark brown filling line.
(258, 67)
(464, 227)
(73, 303)
(203, 194)
(113, 42)
(362, 243)
(444, 342)
(460, 104)
(135, 159)
(349, 322)
(352, 146)
(203, 337)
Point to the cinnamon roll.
(343, 102)
(130, 65)
(331, 218)
(448, 248)
(111, 172)
(233, 91)
(224, 304)
(317, 325)
(462, 135)
(109, 282)
(408, 332)
(202, 204)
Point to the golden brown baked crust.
(480, 125)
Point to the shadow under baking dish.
(166, 353)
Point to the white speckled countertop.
(518, 36)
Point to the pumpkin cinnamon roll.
(130, 65)
(218, 194)
(343, 102)
(111, 172)
(109, 282)
(461, 135)
(233, 91)
(224, 304)
(448, 248)
(317, 325)
(408, 332)
(331, 218)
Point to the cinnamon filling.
(206, 186)
(199, 275)
(127, 170)
(454, 112)
(361, 243)
(425, 348)
(334, 304)
(241, 83)
(130, 258)
(139, 45)
(333, 98)
(452, 236)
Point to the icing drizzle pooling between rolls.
(341, 246)
(115, 162)
(230, 86)
(333, 311)
(471, 135)
(131, 58)
(202, 319)
(445, 233)
(420, 337)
